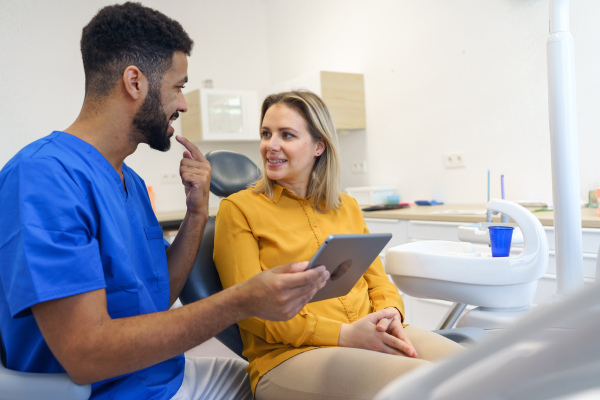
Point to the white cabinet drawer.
(590, 239)
(427, 230)
(589, 264)
(394, 226)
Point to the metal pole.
(565, 158)
(452, 316)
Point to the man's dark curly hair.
(129, 34)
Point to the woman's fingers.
(398, 345)
(383, 324)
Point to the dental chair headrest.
(231, 172)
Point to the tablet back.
(346, 257)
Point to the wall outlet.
(454, 160)
(359, 167)
(170, 178)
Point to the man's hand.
(366, 334)
(394, 327)
(194, 170)
(280, 293)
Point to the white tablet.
(346, 257)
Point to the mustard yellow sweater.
(254, 233)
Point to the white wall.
(441, 76)
(42, 82)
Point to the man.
(86, 283)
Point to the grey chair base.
(465, 336)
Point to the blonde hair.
(324, 183)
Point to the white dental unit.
(550, 352)
(501, 287)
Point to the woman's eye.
(287, 135)
(264, 134)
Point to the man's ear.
(320, 148)
(135, 83)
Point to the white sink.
(467, 273)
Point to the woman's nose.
(273, 144)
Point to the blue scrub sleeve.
(52, 249)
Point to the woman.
(346, 347)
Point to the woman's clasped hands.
(380, 331)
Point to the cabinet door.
(433, 230)
(221, 115)
(394, 226)
(344, 94)
(229, 115)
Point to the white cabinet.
(394, 226)
(234, 115)
(432, 230)
(221, 115)
(590, 244)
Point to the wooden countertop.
(467, 213)
(445, 212)
(172, 219)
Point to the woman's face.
(287, 148)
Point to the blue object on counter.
(428, 203)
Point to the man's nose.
(182, 104)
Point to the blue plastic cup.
(500, 238)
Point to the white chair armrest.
(32, 386)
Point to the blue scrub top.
(67, 226)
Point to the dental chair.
(552, 353)
(15, 385)
(204, 281)
(231, 172)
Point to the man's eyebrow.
(183, 80)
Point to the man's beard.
(151, 121)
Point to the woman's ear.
(320, 148)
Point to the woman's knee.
(430, 345)
(334, 373)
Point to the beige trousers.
(348, 373)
